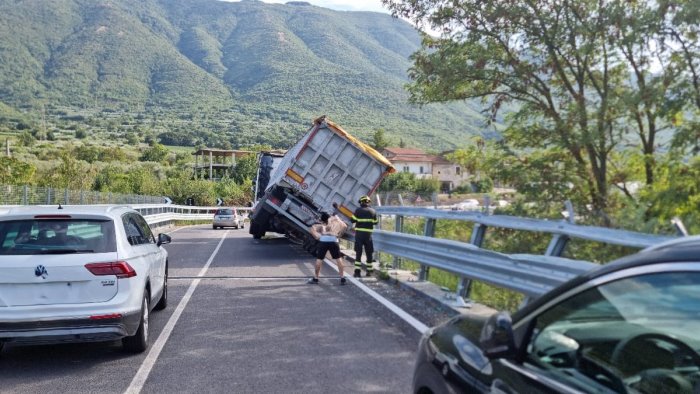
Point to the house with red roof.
(425, 165)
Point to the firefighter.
(364, 220)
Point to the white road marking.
(415, 323)
(140, 378)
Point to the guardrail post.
(398, 227)
(428, 231)
(48, 196)
(559, 241)
(25, 193)
(65, 196)
(477, 239)
(463, 288)
(557, 245)
(478, 234)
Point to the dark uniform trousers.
(365, 218)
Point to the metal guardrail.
(532, 275)
(159, 215)
(590, 233)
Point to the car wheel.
(138, 343)
(163, 302)
(242, 225)
(214, 227)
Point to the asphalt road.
(241, 319)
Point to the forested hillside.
(216, 73)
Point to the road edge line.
(415, 323)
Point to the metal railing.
(529, 274)
(158, 215)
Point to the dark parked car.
(631, 326)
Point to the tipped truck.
(327, 167)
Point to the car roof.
(682, 250)
(29, 211)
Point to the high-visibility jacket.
(364, 219)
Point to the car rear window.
(224, 212)
(36, 236)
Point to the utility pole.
(7, 148)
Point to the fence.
(40, 195)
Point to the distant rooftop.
(222, 152)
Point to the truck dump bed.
(327, 167)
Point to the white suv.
(79, 274)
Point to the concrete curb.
(428, 291)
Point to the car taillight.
(275, 200)
(121, 269)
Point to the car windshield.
(224, 212)
(660, 301)
(621, 333)
(32, 236)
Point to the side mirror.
(163, 239)
(497, 340)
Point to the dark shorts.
(324, 247)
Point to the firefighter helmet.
(365, 200)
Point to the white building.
(424, 165)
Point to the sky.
(342, 5)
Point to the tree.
(27, 139)
(156, 152)
(15, 172)
(379, 140)
(71, 174)
(578, 73)
(245, 169)
(398, 181)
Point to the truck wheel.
(256, 230)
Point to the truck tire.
(256, 230)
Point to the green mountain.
(211, 71)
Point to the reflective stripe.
(365, 220)
(367, 230)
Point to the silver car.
(79, 274)
(227, 217)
